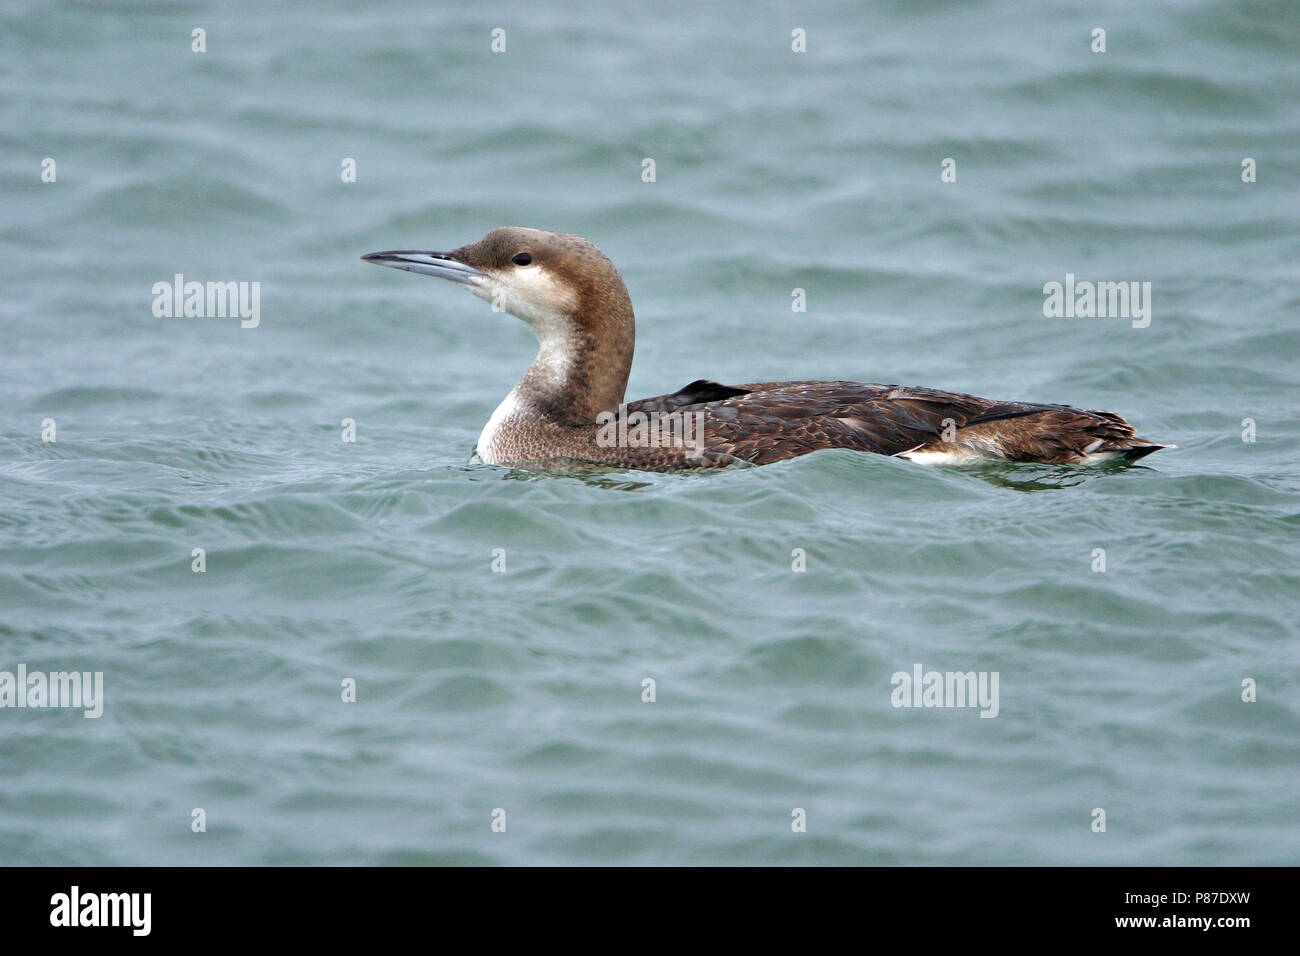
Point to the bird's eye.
(522, 258)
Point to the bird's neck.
(581, 368)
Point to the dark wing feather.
(770, 421)
(776, 420)
(700, 391)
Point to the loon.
(569, 407)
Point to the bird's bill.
(440, 264)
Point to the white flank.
(941, 457)
(487, 437)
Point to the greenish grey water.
(522, 690)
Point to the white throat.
(534, 295)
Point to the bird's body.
(569, 406)
(768, 422)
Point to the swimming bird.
(569, 406)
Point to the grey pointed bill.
(438, 264)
